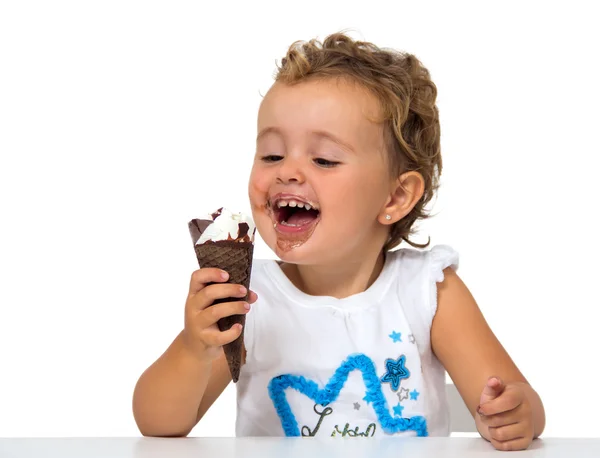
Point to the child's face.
(316, 146)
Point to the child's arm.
(174, 393)
(471, 353)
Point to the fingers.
(496, 384)
(511, 429)
(211, 293)
(510, 399)
(200, 278)
(503, 419)
(493, 388)
(507, 432)
(252, 297)
(516, 444)
(516, 436)
(203, 294)
(211, 315)
(216, 338)
(201, 329)
(209, 300)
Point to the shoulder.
(418, 272)
(430, 263)
(440, 258)
(437, 254)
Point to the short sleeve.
(440, 258)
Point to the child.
(345, 337)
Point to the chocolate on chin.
(226, 241)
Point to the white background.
(122, 120)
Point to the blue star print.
(396, 336)
(396, 371)
(398, 410)
(414, 394)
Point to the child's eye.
(325, 163)
(271, 158)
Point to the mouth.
(293, 214)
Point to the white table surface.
(148, 447)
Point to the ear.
(406, 192)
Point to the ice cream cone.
(233, 255)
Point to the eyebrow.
(317, 133)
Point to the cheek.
(357, 205)
(257, 185)
(258, 188)
(360, 191)
(375, 185)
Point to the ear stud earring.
(388, 217)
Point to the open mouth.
(294, 215)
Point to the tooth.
(307, 206)
(301, 204)
(292, 203)
(281, 203)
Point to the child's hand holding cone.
(201, 334)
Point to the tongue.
(301, 218)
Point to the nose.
(290, 171)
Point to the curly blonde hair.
(407, 96)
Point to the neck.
(337, 280)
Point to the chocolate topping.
(197, 227)
(243, 229)
(217, 213)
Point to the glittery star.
(356, 406)
(396, 371)
(396, 336)
(414, 394)
(411, 338)
(398, 410)
(403, 394)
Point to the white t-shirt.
(357, 366)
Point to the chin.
(310, 252)
(295, 255)
(289, 251)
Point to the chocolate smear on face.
(287, 242)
